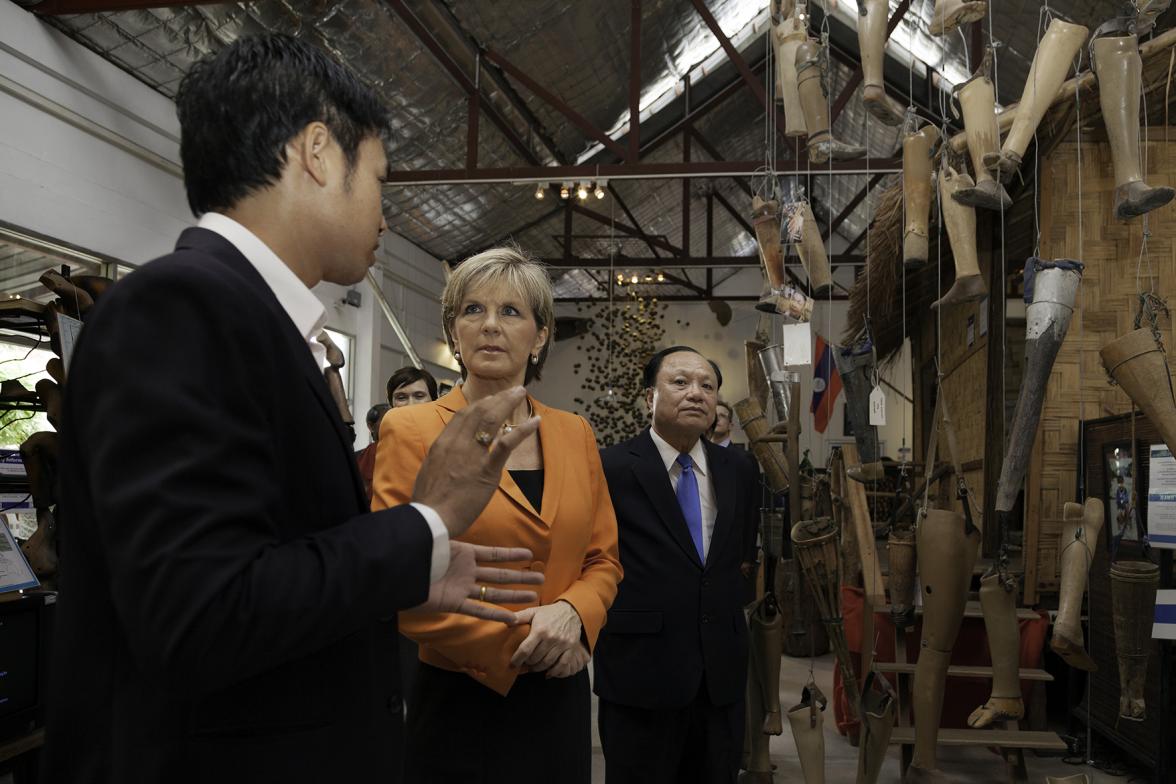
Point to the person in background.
(720, 432)
(671, 665)
(366, 457)
(410, 386)
(528, 683)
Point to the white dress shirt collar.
(669, 454)
(299, 302)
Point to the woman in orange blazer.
(509, 693)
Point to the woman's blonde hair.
(514, 270)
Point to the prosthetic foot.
(1051, 63)
(787, 38)
(767, 638)
(871, 30)
(813, 98)
(335, 362)
(808, 730)
(977, 100)
(998, 600)
(1137, 364)
(1118, 67)
(1080, 529)
(917, 181)
(856, 365)
(901, 549)
(50, 395)
(811, 250)
(879, 712)
(961, 232)
(1052, 287)
(1133, 598)
(950, 14)
(75, 301)
(947, 552)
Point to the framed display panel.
(1111, 451)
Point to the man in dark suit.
(227, 602)
(671, 663)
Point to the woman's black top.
(531, 483)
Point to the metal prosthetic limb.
(947, 552)
(808, 730)
(1118, 66)
(814, 544)
(767, 625)
(1052, 288)
(810, 247)
(998, 600)
(977, 101)
(1133, 599)
(960, 220)
(917, 181)
(871, 30)
(815, 101)
(1081, 525)
(1053, 60)
(879, 712)
(857, 368)
(1136, 362)
(950, 14)
(787, 36)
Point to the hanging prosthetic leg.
(763, 708)
(1118, 66)
(950, 14)
(947, 550)
(998, 600)
(1136, 362)
(1052, 287)
(815, 100)
(1080, 529)
(901, 548)
(977, 101)
(960, 221)
(871, 30)
(808, 730)
(810, 248)
(857, 368)
(1077, 778)
(917, 181)
(787, 38)
(765, 217)
(767, 639)
(1054, 58)
(879, 712)
(1133, 599)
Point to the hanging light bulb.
(661, 278)
(633, 279)
(599, 190)
(648, 278)
(540, 191)
(565, 190)
(582, 191)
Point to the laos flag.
(826, 386)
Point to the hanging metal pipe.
(413, 357)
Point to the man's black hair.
(239, 108)
(649, 375)
(409, 375)
(376, 412)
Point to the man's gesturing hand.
(460, 590)
(461, 472)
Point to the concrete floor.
(959, 765)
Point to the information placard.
(1161, 497)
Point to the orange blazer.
(573, 540)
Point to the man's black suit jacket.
(222, 582)
(674, 618)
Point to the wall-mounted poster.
(1161, 498)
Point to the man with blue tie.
(671, 663)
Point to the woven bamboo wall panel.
(1077, 221)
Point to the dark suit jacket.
(674, 618)
(221, 578)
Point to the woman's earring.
(457, 355)
(534, 359)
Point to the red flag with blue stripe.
(826, 386)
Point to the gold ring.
(484, 438)
(482, 594)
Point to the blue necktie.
(689, 501)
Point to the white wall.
(724, 345)
(90, 156)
